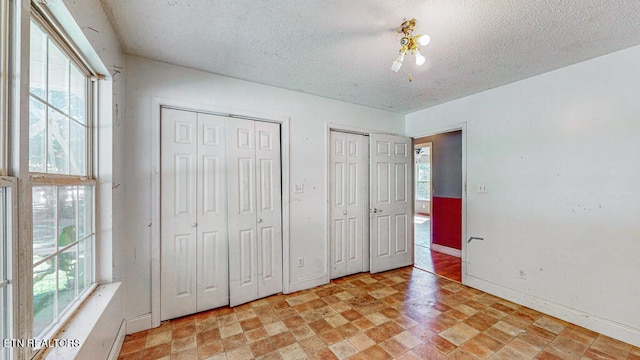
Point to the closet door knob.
(194, 224)
(259, 221)
(344, 212)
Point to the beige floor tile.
(404, 314)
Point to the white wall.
(148, 81)
(558, 153)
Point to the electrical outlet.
(522, 274)
(482, 188)
(301, 262)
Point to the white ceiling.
(344, 49)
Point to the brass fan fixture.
(409, 43)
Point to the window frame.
(418, 181)
(41, 16)
(8, 200)
(4, 87)
(8, 243)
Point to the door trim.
(154, 226)
(463, 128)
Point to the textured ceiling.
(344, 49)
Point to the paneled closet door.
(349, 204)
(391, 177)
(178, 215)
(212, 275)
(269, 208)
(255, 216)
(194, 256)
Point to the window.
(5, 267)
(58, 127)
(63, 190)
(423, 188)
(6, 188)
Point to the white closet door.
(212, 276)
(178, 214)
(357, 203)
(349, 203)
(243, 259)
(269, 208)
(338, 203)
(255, 210)
(392, 218)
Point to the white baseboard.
(140, 323)
(598, 324)
(117, 343)
(447, 250)
(308, 283)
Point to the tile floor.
(433, 261)
(438, 263)
(403, 314)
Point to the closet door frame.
(153, 319)
(355, 130)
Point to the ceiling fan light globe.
(396, 66)
(424, 39)
(419, 59)
(397, 63)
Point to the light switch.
(299, 188)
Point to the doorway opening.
(438, 204)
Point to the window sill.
(94, 325)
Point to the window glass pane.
(77, 149)
(5, 311)
(4, 317)
(85, 211)
(85, 264)
(58, 136)
(67, 278)
(423, 191)
(37, 136)
(3, 240)
(58, 143)
(38, 66)
(78, 95)
(67, 212)
(58, 78)
(44, 295)
(423, 172)
(44, 221)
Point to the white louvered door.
(194, 270)
(255, 210)
(349, 203)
